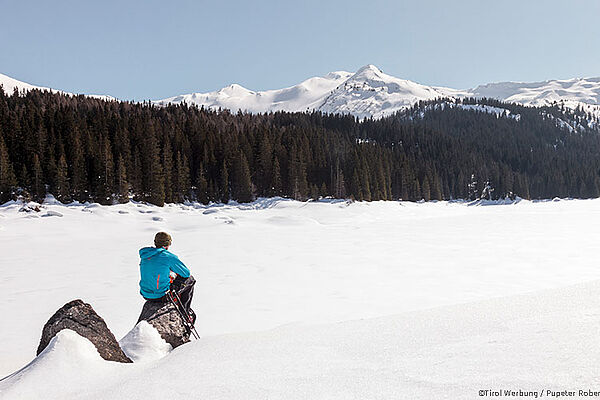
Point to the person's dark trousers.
(185, 289)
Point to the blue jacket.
(155, 267)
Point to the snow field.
(542, 341)
(445, 279)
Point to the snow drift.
(538, 342)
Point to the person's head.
(162, 239)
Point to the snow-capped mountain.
(9, 84)
(582, 90)
(304, 96)
(573, 93)
(371, 93)
(367, 93)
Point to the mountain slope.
(367, 93)
(9, 84)
(301, 97)
(585, 90)
(371, 93)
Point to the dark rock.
(30, 208)
(167, 321)
(81, 318)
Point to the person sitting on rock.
(157, 264)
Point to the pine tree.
(276, 186)
(436, 189)
(201, 188)
(224, 186)
(167, 167)
(38, 189)
(154, 188)
(426, 189)
(338, 182)
(62, 180)
(77, 171)
(243, 183)
(365, 185)
(356, 190)
(183, 177)
(107, 177)
(7, 175)
(265, 164)
(314, 192)
(122, 184)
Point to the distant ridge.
(369, 92)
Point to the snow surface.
(583, 90)
(302, 97)
(9, 84)
(143, 343)
(312, 300)
(367, 93)
(372, 93)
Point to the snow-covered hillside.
(543, 93)
(313, 300)
(302, 97)
(367, 93)
(9, 84)
(371, 93)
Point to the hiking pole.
(190, 322)
(186, 321)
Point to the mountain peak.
(369, 71)
(369, 67)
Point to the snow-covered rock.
(143, 343)
(80, 317)
(165, 319)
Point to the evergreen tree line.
(87, 149)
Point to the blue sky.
(155, 49)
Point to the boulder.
(81, 318)
(167, 321)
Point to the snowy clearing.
(441, 286)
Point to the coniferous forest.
(80, 148)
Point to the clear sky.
(155, 49)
